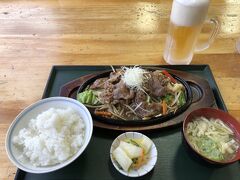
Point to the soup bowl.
(226, 118)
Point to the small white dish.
(143, 169)
(32, 111)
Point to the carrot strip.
(103, 113)
(140, 161)
(164, 107)
(169, 75)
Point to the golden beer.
(187, 18)
(181, 41)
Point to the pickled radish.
(132, 153)
(146, 144)
(131, 150)
(121, 157)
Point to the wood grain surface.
(34, 35)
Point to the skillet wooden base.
(202, 97)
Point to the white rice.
(52, 137)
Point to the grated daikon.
(133, 77)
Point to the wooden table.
(36, 35)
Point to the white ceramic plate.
(32, 111)
(143, 169)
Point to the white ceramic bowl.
(32, 111)
(143, 169)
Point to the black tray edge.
(224, 107)
(50, 79)
(20, 174)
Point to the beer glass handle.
(216, 26)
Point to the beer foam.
(189, 12)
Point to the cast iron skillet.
(155, 120)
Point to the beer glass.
(238, 45)
(186, 21)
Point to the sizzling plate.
(202, 96)
(155, 120)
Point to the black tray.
(175, 161)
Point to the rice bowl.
(51, 138)
(22, 121)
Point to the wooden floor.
(36, 35)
